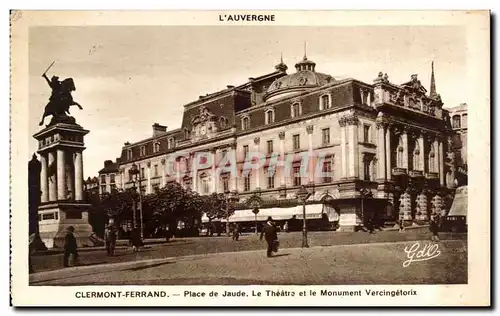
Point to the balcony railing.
(416, 173)
(431, 175)
(398, 171)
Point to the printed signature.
(415, 253)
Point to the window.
(156, 187)
(245, 151)
(247, 182)
(325, 136)
(112, 178)
(205, 184)
(270, 148)
(270, 177)
(223, 122)
(327, 170)
(269, 116)
(366, 169)
(129, 154)
(103, 189)
(225, 183)
(103, 179)
(245, 123)
(416, 157)
(296, 176)
(464, 120)
(296, 142)
(366, 133)
(113, 187)
(156, 170)
(456, 121)
(324, 102)
(399, 154)
(143, 175)
(170, 143)
(295, 111)
(156, 147)
(143, 150)
(432, 165)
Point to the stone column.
(310, 169)
(53, 179)
(194, 174)
(61, 175)
(388, 152)
(214, 171)
(122, 179)
(353, 146)
(44, 179)
(233, 176)
(78, 176)
(441, 163)
(148, 188)
(70, 176)
(381, 173)
(436, 156)
(368, 98)
(343, 151)
(421, 154)
(282, 157)
(163, 172)
(178, 170)
(256, 142)
(404, 137)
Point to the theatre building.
(382, 145)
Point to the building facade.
(361, 149)
(458, 115)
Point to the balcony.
(398, 171)
(416, 173)
(431, 175)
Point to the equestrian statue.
(60, 99)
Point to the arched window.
(245, 123)
(325, 102)
(456, 121)
(416, 157)
(295, 109)
(170, 143)
(156, 147)
(269, 116)
(399, 154)
(431, 159)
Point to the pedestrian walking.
(135, 239)
(110, 235)
(269, 232)
(70, 247)
(401, 224)
(236, 232)
(434, 227)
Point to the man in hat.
(270, 232)
(70, 247)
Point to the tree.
(118, 204)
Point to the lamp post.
(136, 176)
(256, 211)
(303, 195)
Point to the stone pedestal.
(55, 218)
(349, 219)
(60, 146)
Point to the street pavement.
(373, 263)
(205, 245)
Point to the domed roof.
(305, 78)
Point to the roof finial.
(432, 92)
(305, 50)
(281, 66)
(281, 58)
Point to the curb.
(107, 267)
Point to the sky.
(129, 77)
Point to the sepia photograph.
(247, 152)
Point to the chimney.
(159, 129)
(107, 163)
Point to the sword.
(49, 67)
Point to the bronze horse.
(60, 99)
